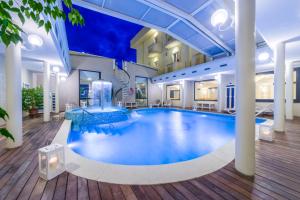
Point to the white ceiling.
(47, 52)
(279, 20)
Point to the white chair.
(156, 104)
(69, 107)
(83, 104)
(168, 103)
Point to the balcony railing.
(58, 33)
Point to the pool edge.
(142, 175)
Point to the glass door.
(141, 91)
(86, 79)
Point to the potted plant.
(32, 100)
(3, 131)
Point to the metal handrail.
(126, 84)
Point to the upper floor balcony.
(171, 42)
(154, 50)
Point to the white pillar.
(245, 86)
(279, 87)
(46, 87)
(289, 92)
(183, 93)
(14, 94)
(57, 93)
(221, 90)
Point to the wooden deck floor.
(277, 174)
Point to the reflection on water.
(151, 137)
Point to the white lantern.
(51, 161)
(266, 132)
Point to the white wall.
(297, 109)
(69, 89)
(2, 85)
(26, 77)
(154, 93)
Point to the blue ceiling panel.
(158, 18)
(200, 41)
(231, 44)
(183, 30)
(97, 2)
(214, 50)
(185, 6)
(131, 8)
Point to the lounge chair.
(168, 103)
(156, 104)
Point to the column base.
(248, 173)
(11, 145)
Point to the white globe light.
(35, 40)
(56, 69)
(263, 56)
(219, 17)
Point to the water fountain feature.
(102, 93)
(100, 110)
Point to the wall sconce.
(51, 161)
(266, 132)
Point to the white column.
(57, 93)
(46, 87)
(221, 90)
(289, 92)
(279, 87)
(245, 86)
(13, 66)
(183, 94)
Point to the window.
(264, 87)
(206, 90)
(175, 57)
(173, 92)
(141, 91)
(85, 85)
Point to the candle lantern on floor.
(266, 132)
(51, 161)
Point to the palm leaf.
(6, 133)
(3, 114)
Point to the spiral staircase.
(124, 79)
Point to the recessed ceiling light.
(219, 17)
(35, 40)
(55, 69)
(263, 56)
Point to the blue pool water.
(153, 137)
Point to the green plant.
(4, 131)
(38, 11)
(32, 98)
